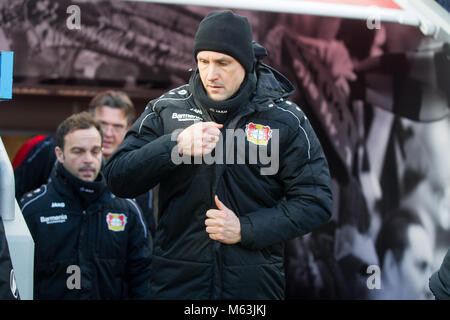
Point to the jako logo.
(374, 20)
(58, 205)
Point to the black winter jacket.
(36, 168)
(271, 208)
(108, 241)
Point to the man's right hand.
(199, 139)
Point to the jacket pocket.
(254, 282)
(179, 279)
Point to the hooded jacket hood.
(271, 85)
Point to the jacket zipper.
(217, 246)
(81, 254)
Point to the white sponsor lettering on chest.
(185, 117)
(54, 219)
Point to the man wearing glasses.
(35, 160)
(115, 113)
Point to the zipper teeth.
(218, 252)
(217, 246)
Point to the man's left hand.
(222, 224)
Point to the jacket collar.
(89, 196)
(271, 86)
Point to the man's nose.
(212, 72)
(88, 158)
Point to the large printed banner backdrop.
(378, 100)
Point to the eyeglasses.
(115, 128)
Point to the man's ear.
(59, 154)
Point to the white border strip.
(306, 7)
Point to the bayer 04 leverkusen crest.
(258, 133)
(116, 221)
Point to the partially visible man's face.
(82, 154)
(415, 266)
(221, 74)
(114, 126)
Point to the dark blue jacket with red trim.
(290, 201)
(33, 164)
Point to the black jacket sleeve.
(139, 256)
(306, 181)
(142, 159)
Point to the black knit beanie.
(226, 32)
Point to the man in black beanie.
(224, 53)
(223, 221)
